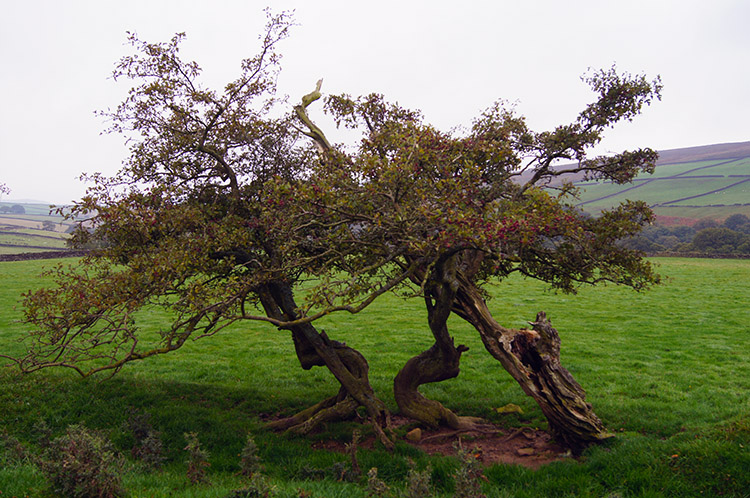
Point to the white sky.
(450, 59)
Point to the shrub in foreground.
(82, 463)
(197, 459)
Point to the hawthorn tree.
(222, 209)
(454, 211)
(189, 225)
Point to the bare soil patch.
(490, 443)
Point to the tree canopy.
(226, 205)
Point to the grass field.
(33, 239)
(38, 230)
(667, 370)
(685, 189)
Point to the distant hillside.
(35, 230)
(704, 153)
(711, 181)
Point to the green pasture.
(738, 167)
(667, 370)
(731, 194)
(21, 233)
(696, 213)
(20, 250)
(722, 167)
(671, 182)
(670, 190)
(33, 217)
(38, 239)
(37, 233)
(675, 169)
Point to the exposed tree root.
(472, 426)
(329, 410)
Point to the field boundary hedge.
(42, 255)
(704, 255)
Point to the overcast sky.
(450, 59)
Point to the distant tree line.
(14, 209)
(707, 236)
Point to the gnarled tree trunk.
(440, 362)
(532, 357)
(350, 368)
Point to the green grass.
(666, 186)
(714, 212)
(30, 239)
(712, 167)
(45, 233)
(25, 233)
(664, 170)
(20, 250)
(668, 370)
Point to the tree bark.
(350, 368)
(339, 407)
(440, 362)
(433, 365)
(532, 357)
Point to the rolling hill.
(688, 184)
(711, 181)
(36, 230)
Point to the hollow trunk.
(350, 368)
(532, 357)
